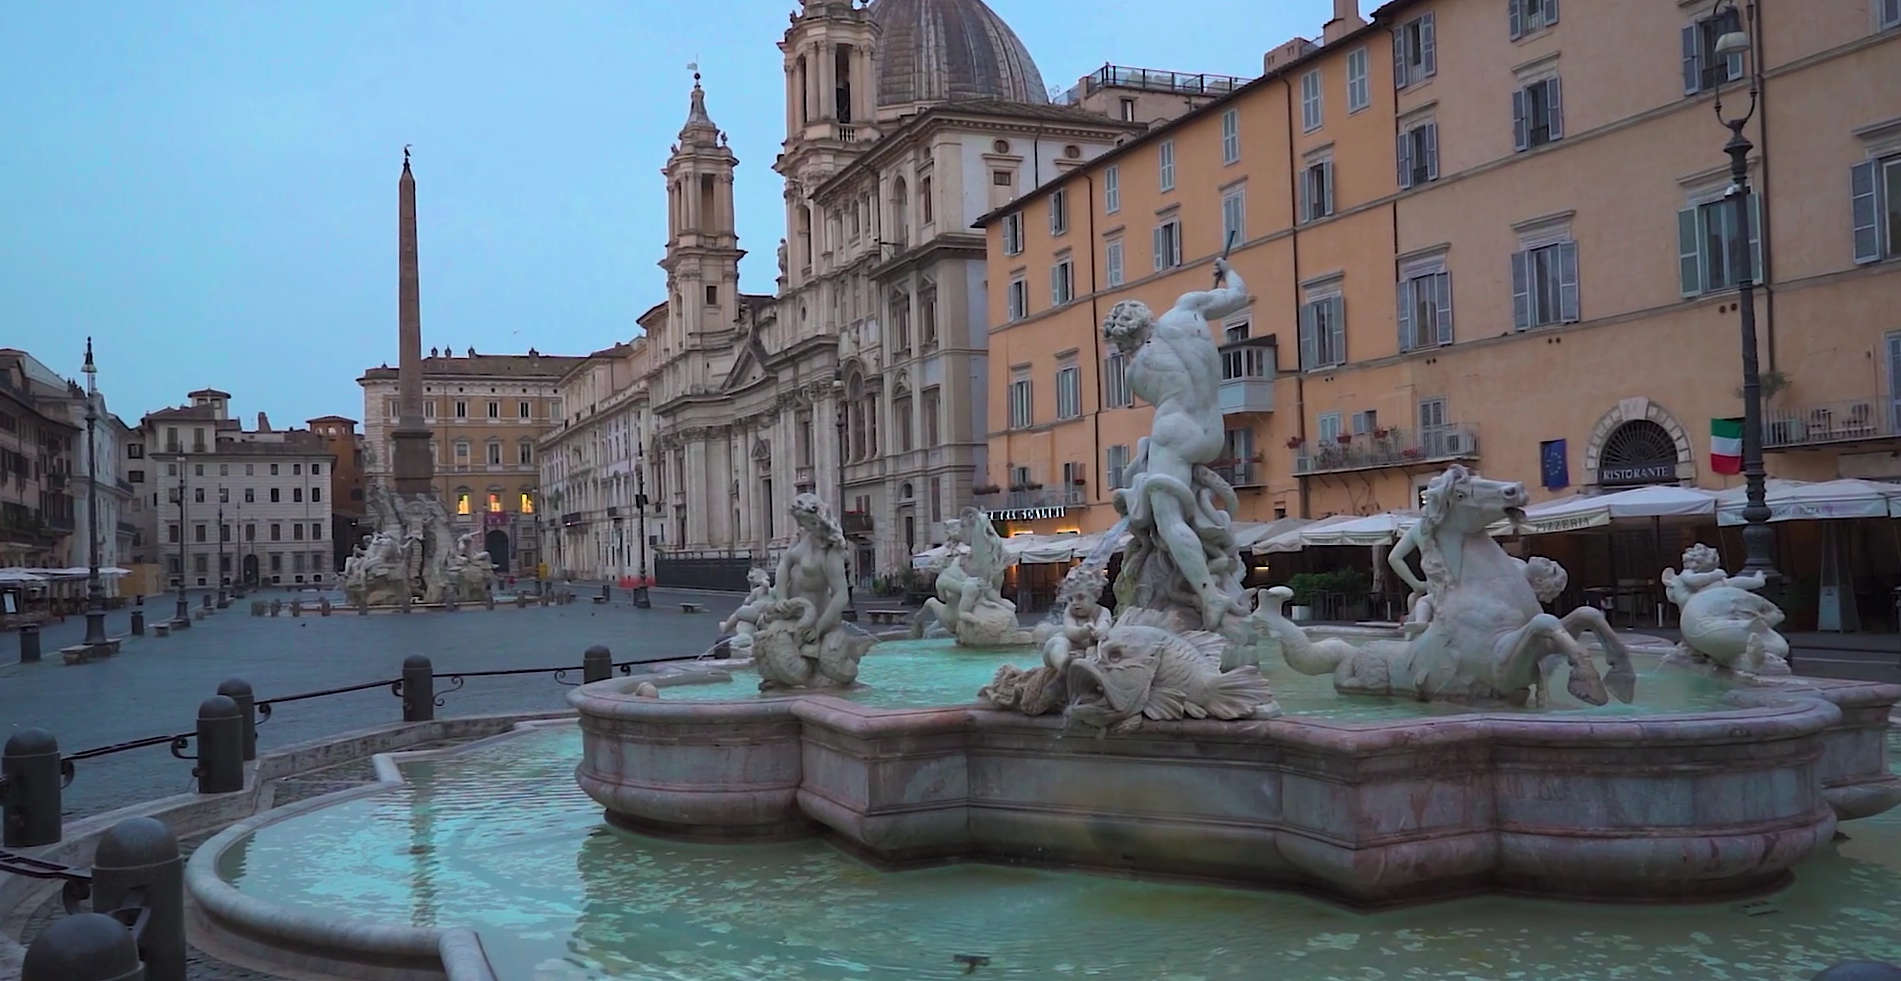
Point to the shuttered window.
(1537, 114)
(1545, 285)
(1323, 332)
(1706, 242)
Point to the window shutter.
(1056, 287)
(1326, 175)
(1337, 329)
(1405, 155)
(1554, 99)
(1432, 151)
(1306, 196)
(1159, 229)
(1568, 282)
(1692, 62)
(1521, 290)
(1551, 12)
(1428, 57)
(1755, 238)
(1689, 257)
(1308, 349)
(1521, 119)
(1175, 243)
(1442, 288)
(1865, 207)
(1405, 314)
(1515, 14)
(1399, 59)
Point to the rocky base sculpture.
(1485, 634)
(800, 638)
(414, 556)
(1172, 652)
(969, 604)
(1723, 621)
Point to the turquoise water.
(499, 839)
(921, 673)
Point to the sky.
(208, 189)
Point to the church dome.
(945, 50)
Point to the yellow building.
(1501, 240)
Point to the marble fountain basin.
(1721, 790)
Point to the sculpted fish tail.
(1235, 695)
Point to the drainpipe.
(1095, 319)
(1762, 147)
(1293, 208)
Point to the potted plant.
(1295, 442)
(1306, 587)
(1412, 452)
(1081, 481)
(985, 489)
(1343, 439)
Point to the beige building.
(38, 447)
(1496, 240)
(591, 467)
(487, 413)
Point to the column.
(828, 81)
(696, 491)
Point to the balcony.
(1831, 423)
(1241, 473)
(856, 523)
(571, 518)
(1247, 376)
(1151, 80)
(1390, 448)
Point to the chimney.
(1285, 54)
(1346, 20)
(263, 423)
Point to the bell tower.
(831, 100)
(703, 253)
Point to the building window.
(1062, 283)
(1323, 332)
(1707, 240)
(171, 534)
(1128, 110)
(1234, 212)
(1310, 113)
(224, 469)
(712, 295)
(521, 409)
(198, 495)
(389, 408)
(1165, 164)
(1231, 136)
(1059, 211)
(275, 494)
(1359, 96)
(1529, 16)
(1018, 299)
(1419, 154)
(250, 469)
(1112, 263)
(527, 502)
(224, 495)
(1888, 14)
(1875, 202)
(1115, 380)
(277, 532)
(316, 469)
(1002, 178)
(1021, 406)
(926, 207)
(1316, 190)
(316, 495)
(1414, 59)
(297, 495)
(462, 501)
(494, 503)
(1168, 244)
(494, 453)
(316, 531)
(250, 532)
(296, 531)
(1425, 309)
(297, 469)
(1327, 428)
(901, 419)
(494, 409)
(198, 470)
(1537, 114)
(461, 409)
(1069, 392)
(928, 410)
(429, 409)
(1545, 285)
(1111, 189)
(525, 453)
(1235, 332)
(1013, 233)
(1703, 68)
(1116, 465)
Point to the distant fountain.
(414, 555)
(969, 603)
(1724, 622)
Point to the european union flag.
(1554, 470)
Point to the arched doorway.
(1635, 453)
(250, 570)
(497, 544)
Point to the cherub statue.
(745, 621)
(1722, 619)
(1085, 624)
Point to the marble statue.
(802, 640)
(1546, 577)
(373, 575)
(745, 621)
(969, 603)
(1723, 621)
(1170, 652)
(414, 556)
(1486, 635)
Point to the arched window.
(900, 320)
(462, 500)
(528, 502)
(1637, 452)
(900, 212)
(495, 500)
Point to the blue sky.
(209, 188)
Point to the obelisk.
(414, 471)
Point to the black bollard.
(607, 594)
(29, 643)
(220, 768)
(138, 623)
(83, 947)
(30, 770)
(140, 855)
(239, 691)
(597, 663)
(419, 689)
(640, 598)
(207, 604)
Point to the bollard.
(419, 689)
(30, 770)
(323, 607)
(596, 664)
(363, 607)
(521, 601)
(141, 855)
(207, 604)
(296, 608)
(83, 947)
(29, 643)
(489, 600)
(239, 691)
(138, 623)
(641, 601)
(606, 595)
(220, 768)
(448, 602)
(276, 605)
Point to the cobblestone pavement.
(154, 685)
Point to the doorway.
(497, 544)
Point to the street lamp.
(640, 505)
(1758, 537)
(220, 577)
(183, 614)
(95, 593)
(851, 605)
(237, 549)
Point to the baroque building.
(594, 468)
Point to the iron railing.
(1832, 422)
(1152, 80)
(1392, 447)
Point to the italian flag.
(1726, 445)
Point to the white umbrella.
(1289, 540)
(1801, 500)
(1040, 549)
(1580, 511)
(1252, 536)
(20, 575)
(1373, 529)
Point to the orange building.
(1499, 240)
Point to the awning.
(1802, 500)
(1289, 540)
(1041, 549)
(1372, 529)
(18, 575)
(1580, 511)
(1253, 536)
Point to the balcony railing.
(1152, 80)
(1832, 422)
(1241, 473)
(1390, 448)
(856, 523)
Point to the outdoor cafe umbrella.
(1822, 500)
(1581, 511)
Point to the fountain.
(969, 604)
(414, 555)
(1724, 622)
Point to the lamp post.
(1758, 537)
(851, 605)
(640, 505)
(220, 576)
(183, 614)
(95, 593)
(237, 549)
